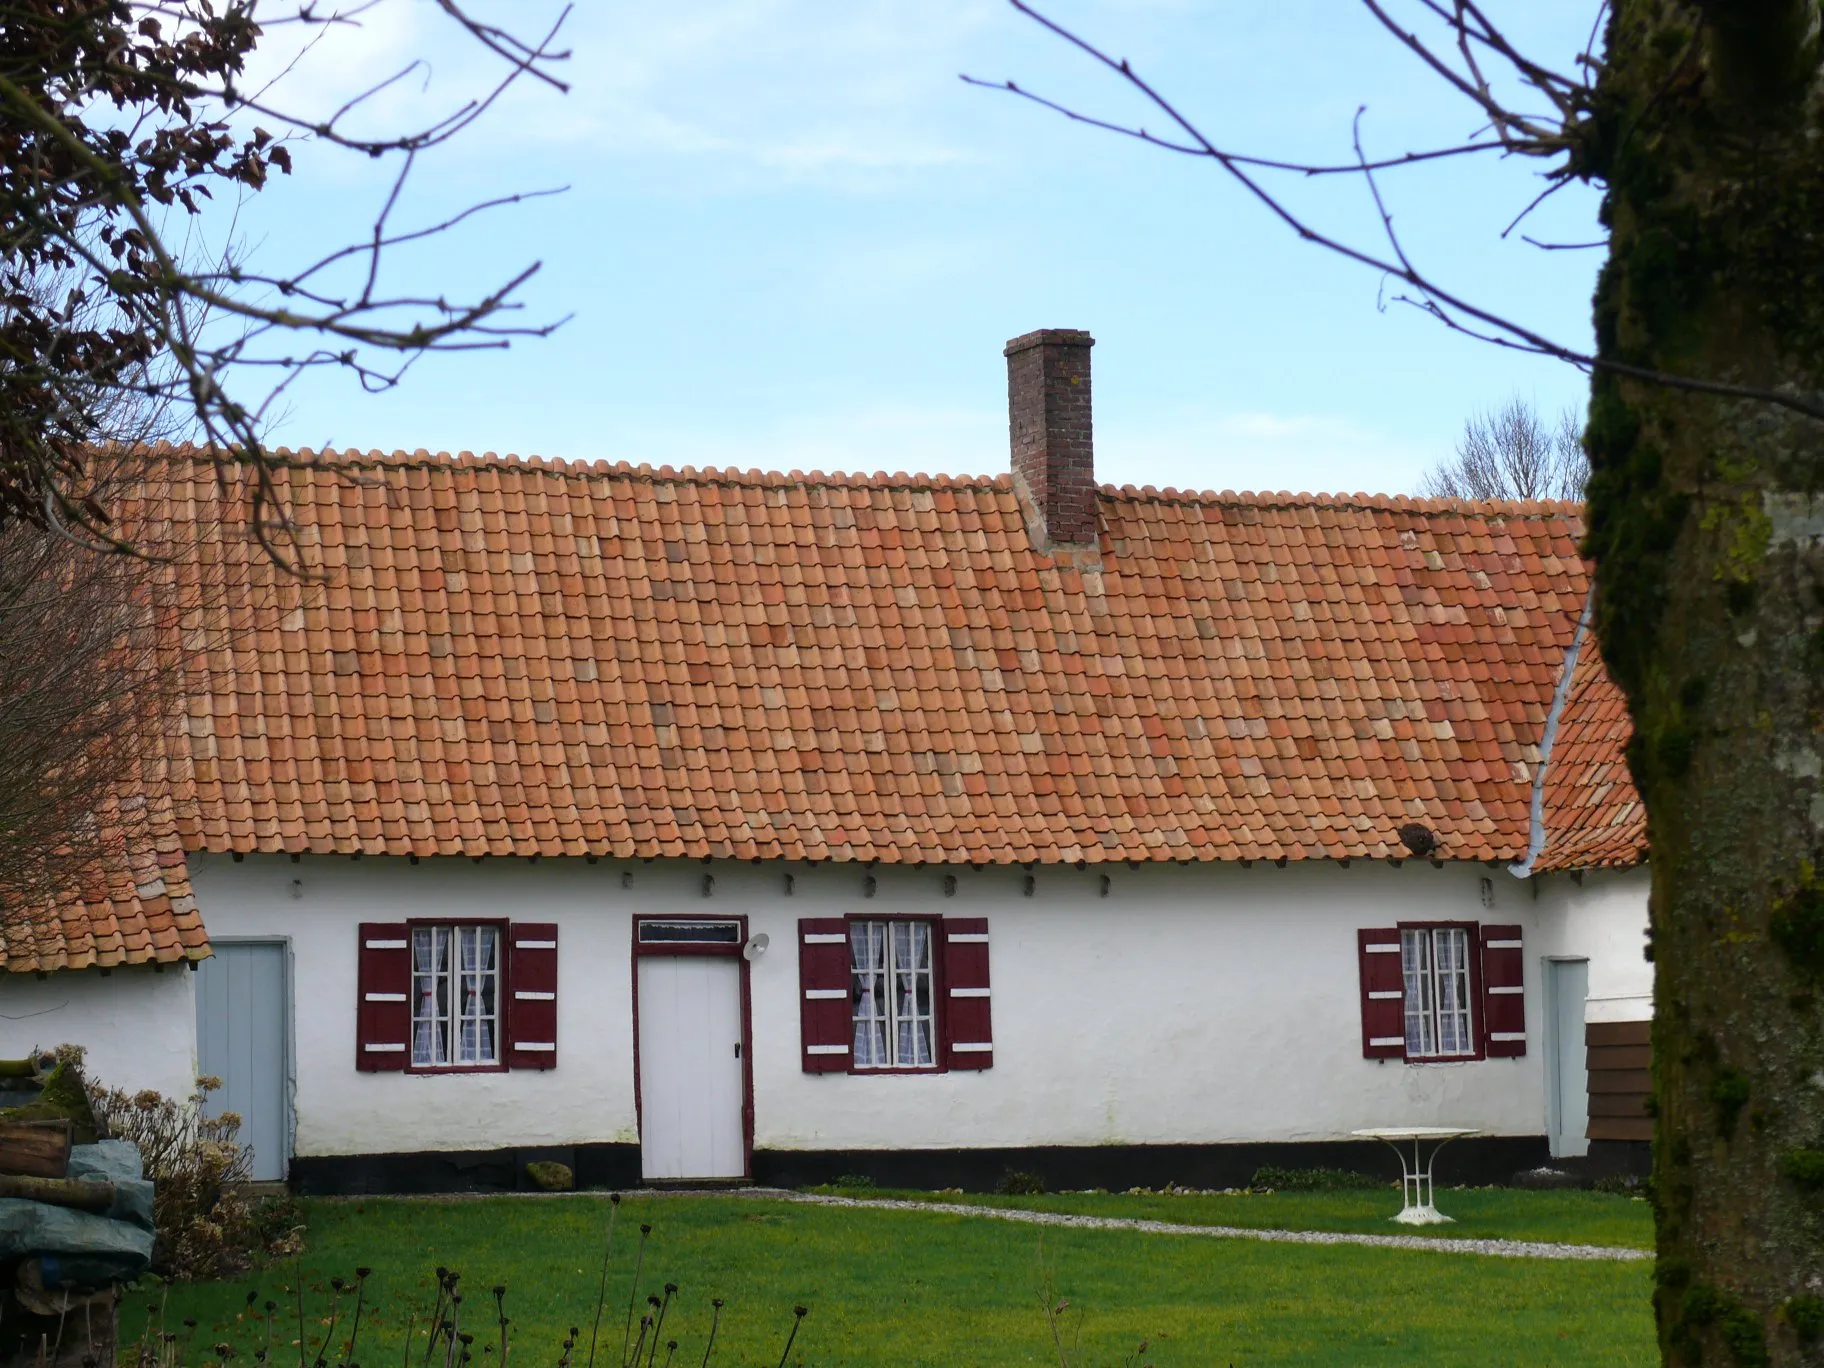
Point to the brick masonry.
(1052, 434)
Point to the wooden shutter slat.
(1383, 989)
(383, 986)
(531, 1006)
(966, 1012)
(1503, 992)
(825, 1016)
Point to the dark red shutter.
(1503, 992)
(825, 1020)
(1383, 994)
(383, 988)
(532, 995)
(966, 1018)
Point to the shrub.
(1314, 1180)
(1018, 1184)
(1622, 1185)
(207, 1225)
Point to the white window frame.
(888, 1015)
(448, 1018)
(1428, 992)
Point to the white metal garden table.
(1416, 1207)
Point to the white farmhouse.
(707, 825)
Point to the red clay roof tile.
(132, 904)
(512, 657)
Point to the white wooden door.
(691, 1076)
(1567, 1077)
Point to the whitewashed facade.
(1186, 1006)
(138, 1023)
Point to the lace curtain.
(890, 995)
(455, 1007)
(1436, 968)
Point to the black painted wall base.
(1476, 1160)
(427, 1171)
(1617, 1159)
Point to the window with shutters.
(892, 1004)
(894, 995)
(1434, 965)
(456, 995)
(1433, 992)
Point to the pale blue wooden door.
(1567, 1079)
(241, 1031)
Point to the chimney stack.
(1048, 421)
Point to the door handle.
(737, 1049)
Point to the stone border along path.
(1500, 1249)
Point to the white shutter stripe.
(1389, 949)
(1386, 1040)
(966, 938)
(384, 1049)
(1515, 988)
(1501, 945)
(826, 1049)
(826, 938)
(384, 997)
(534, 1045)
(1507, 1035)
(523, 996)
(969, 992)
(972, 1047)
(386, 945)
(825, 994)
(530, 945)
(1387, 995)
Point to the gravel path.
(1500, 1249)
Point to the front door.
(1567, 1078)
(691, 1074)
(241, 1034)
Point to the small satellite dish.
(756, 947)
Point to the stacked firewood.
(51, 1316)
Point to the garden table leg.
(1416, 1190)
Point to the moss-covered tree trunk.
(1707, 524)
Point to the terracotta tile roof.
(1594, 818)
(519, 657)
(132, 905)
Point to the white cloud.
(779, 90)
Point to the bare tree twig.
(1517, 134)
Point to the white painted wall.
(317, 905)
(1193, 1004)
(138, 1024)
(1602, 918)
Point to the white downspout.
(1536, 842)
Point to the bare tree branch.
(100, 202)
(1525, 135)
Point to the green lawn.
(1477, 1213)
(908, 1288)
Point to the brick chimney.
(1048, 422)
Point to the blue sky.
(793, 239)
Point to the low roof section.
(128, 903)
(496, 656)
